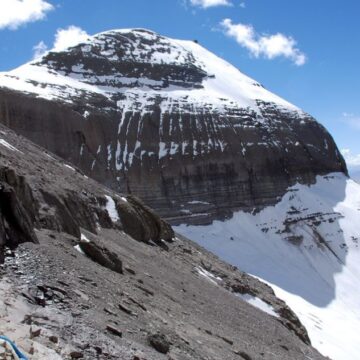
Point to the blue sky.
(305, 51)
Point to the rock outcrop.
(41, 200)
(16, 212)
(167, 121)
(101, 255)
(142, 223)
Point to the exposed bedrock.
(204, 163)
(101, 254)
(42, 202)
(142, 223)
(16, 216)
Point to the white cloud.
(242, 5)
(268, 46)
(352, 160)
(210, 3)
(64, 38)
(14, 13)
(70, 36)
(39, 49)
(351, 120)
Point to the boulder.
(142, 223)
(101, 255)
(16, 222)
(159, 342)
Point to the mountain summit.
(169, 121)
(244, 173)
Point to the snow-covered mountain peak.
(141, 99)
(119, 62)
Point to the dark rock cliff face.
(16, 212)
(144, 120)
(41, 200)
(91, 274)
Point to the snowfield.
(307, 248)
(224, 87)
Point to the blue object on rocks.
(19, 354)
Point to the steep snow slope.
(307, 248)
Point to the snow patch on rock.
(111, 209)
(208, 275)
(258, 303)
(7, 145)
